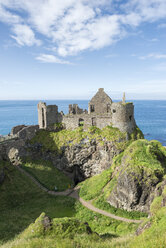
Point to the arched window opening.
(43, 121)
(92, 108)
(108, 108)
(94, 121)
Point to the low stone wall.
(16, 129)
(28, 132)
(14, 149)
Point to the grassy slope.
(21, 202)
(47, 174)
(140, 155)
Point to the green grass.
(101, 203)
(21, 202)
(155, 236)
(47, 174)
(72, 232)
(103, 224)
(54, 141)
(93, 186)
(147, 155)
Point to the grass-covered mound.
(53, 141)
(64, 232)
(57, 227)
(139, 168)
(47, 174)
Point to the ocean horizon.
(150, 115)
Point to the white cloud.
(72, 26)
(24, 35)
(148, 10)
(49, 58)
(7, 17)
(154, 56)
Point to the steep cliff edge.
(133, 180)
(83, 153)
(141, 168)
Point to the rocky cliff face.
(142, 167)
(81, 158)
(86, 159)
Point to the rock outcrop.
(16, 129)
(87, 160)
(141, 168)
(82, 160)
(15, 148)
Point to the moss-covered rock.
(57, 227)
(137, 173)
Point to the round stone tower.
(123, 116)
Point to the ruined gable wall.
(100, 101)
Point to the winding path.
(74, 193)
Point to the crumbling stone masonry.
(102, 111)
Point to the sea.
(150, 115)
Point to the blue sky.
(54, 49)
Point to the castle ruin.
(102, 111)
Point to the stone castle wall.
(123, 116)
(74, 121)
(48, 115)
(102, 112)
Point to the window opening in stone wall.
(94, 121)
(80, 122)
(130, 117)
(92, 108)
(43, 122)
(73, 111)
(114, 110)
(108, 108)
